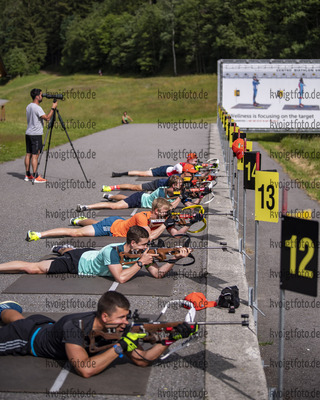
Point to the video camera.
(54, 96)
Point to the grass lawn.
(299, 155)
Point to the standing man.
(34, 132)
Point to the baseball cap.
(189, 168)
(190, 156)
(199, 301)
(238, 148)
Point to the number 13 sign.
(267, 196)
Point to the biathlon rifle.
(211, 165)
(159, 252)
(199, 191)
(156, 331)
(187, 216)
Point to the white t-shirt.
(176, 170)
(34, 120)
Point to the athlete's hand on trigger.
(183, 252)
(146, 258)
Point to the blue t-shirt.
(147, 198)
(96, 262)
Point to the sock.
(28, 173)
(35, 174)
(115, 187)
(39, 234)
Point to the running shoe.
(74, 221)
(106, 188)
(31, 236)
(10, 305)
(39, 179)
(81, 208)
(107, 196)
(57, 248)
(116, 175)
(28, 178)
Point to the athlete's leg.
(115, 197)
(128, 186)
(8, 316)
(104, 205)
(59, 232)
(140, 173)
(40, 267)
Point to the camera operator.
(34, 132)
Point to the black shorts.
(134, 200)
(150, 186)
(33, 144)
(15, 338)
(154, 185)
(160, 171)
(68, 262)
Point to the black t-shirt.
(51, 339)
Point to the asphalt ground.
(39, 207)
(302, 326)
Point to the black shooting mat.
(252, 107)
(297, 107)
(141, 284)
(37, 375)
(95, 242)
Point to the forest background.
(149, 37)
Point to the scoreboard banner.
(271, 95)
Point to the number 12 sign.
(299, 255)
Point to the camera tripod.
(50, 128)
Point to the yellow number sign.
(267, 196)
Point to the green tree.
(81, 50)
(16, 62)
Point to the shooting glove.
(184, 330)
(169, 222)
(129, 341)
(196, 218)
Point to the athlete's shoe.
(39, 179)
(10, 305)
(107, 196)
(74, 221)
(106, 188)
(301, 105)
(31, 236)
(81, 208)
(28, 178)
(116, 175)
(57, 248)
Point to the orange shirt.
(120, 227)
